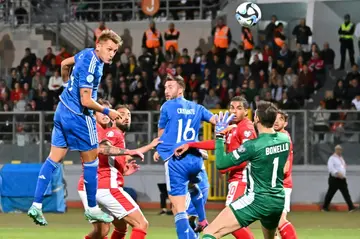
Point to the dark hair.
(242, 100)
(266, 112)
(122, 107)
(104, 102)
(178, 80)
(284, 115)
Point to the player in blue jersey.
(75, 125)
(204, 187)
(179, 122)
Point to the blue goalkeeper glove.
(222, 123)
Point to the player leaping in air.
(242, 130)
(179, 122)
(267, 162)
(111, 195)
(286, 229)
(74, 123)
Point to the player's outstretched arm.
(106, 148)
(150, 146)
(65, 68)
(236, 157)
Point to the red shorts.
(236, 190)
(114, 201)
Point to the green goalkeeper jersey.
(266, 156)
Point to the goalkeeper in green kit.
(267, 162)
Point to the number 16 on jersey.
(185, 133)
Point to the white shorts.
(287, 199)
(115, 202)
(235, 190)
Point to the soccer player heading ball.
(75, 126)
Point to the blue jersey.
(86, 73)
(181, 120)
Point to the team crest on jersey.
(110, 134)
(90, 78)
(242, 149)
(247, 133)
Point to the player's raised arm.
(65, 68)
(236, 157)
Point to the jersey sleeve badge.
(90, 78)
(110, 134)
(247, 133)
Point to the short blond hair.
(110, 35)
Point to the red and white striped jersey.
(111, 169)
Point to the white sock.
(37, 205)
(94, 209)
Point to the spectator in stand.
(223, 93)
(353, 74)
(248, 43)
(328, 55)
(20, 104)
(266, 53)
(211, 100)
(229, 67)
(302, 34)
(15, 93)
(251, 92)
(172, 55)
(29, 58)
(270, 30)
(352, 90)
(321, 122)
(274, 78)
(222, 38)
(278, 90)
(12, 78)
(346, 34)
(152, 38)
(48, 57)
(171, 37)
(158, 58)
(306, 81)
(339, 91)
(99, 30)
(288, 77)
(55, 82)
(356, 101)
(39, 67)
(284, 59)
(316, 66)
(298, 65)
(63, 54)
(279, 38)
(38, 80)
(296, 93)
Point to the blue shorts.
(190, 208)
(76, 132)
(179, 172)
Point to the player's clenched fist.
(114, 115)
(181, 149)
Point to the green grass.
(314, 225)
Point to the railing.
(26, 136)
(131, 10)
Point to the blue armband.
(106, 111)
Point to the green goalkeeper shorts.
(251, 207)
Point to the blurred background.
(292, 58)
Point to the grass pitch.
(72, 225)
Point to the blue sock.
(197, 199)
(44, 179)
(183, 229)
(90, 181)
